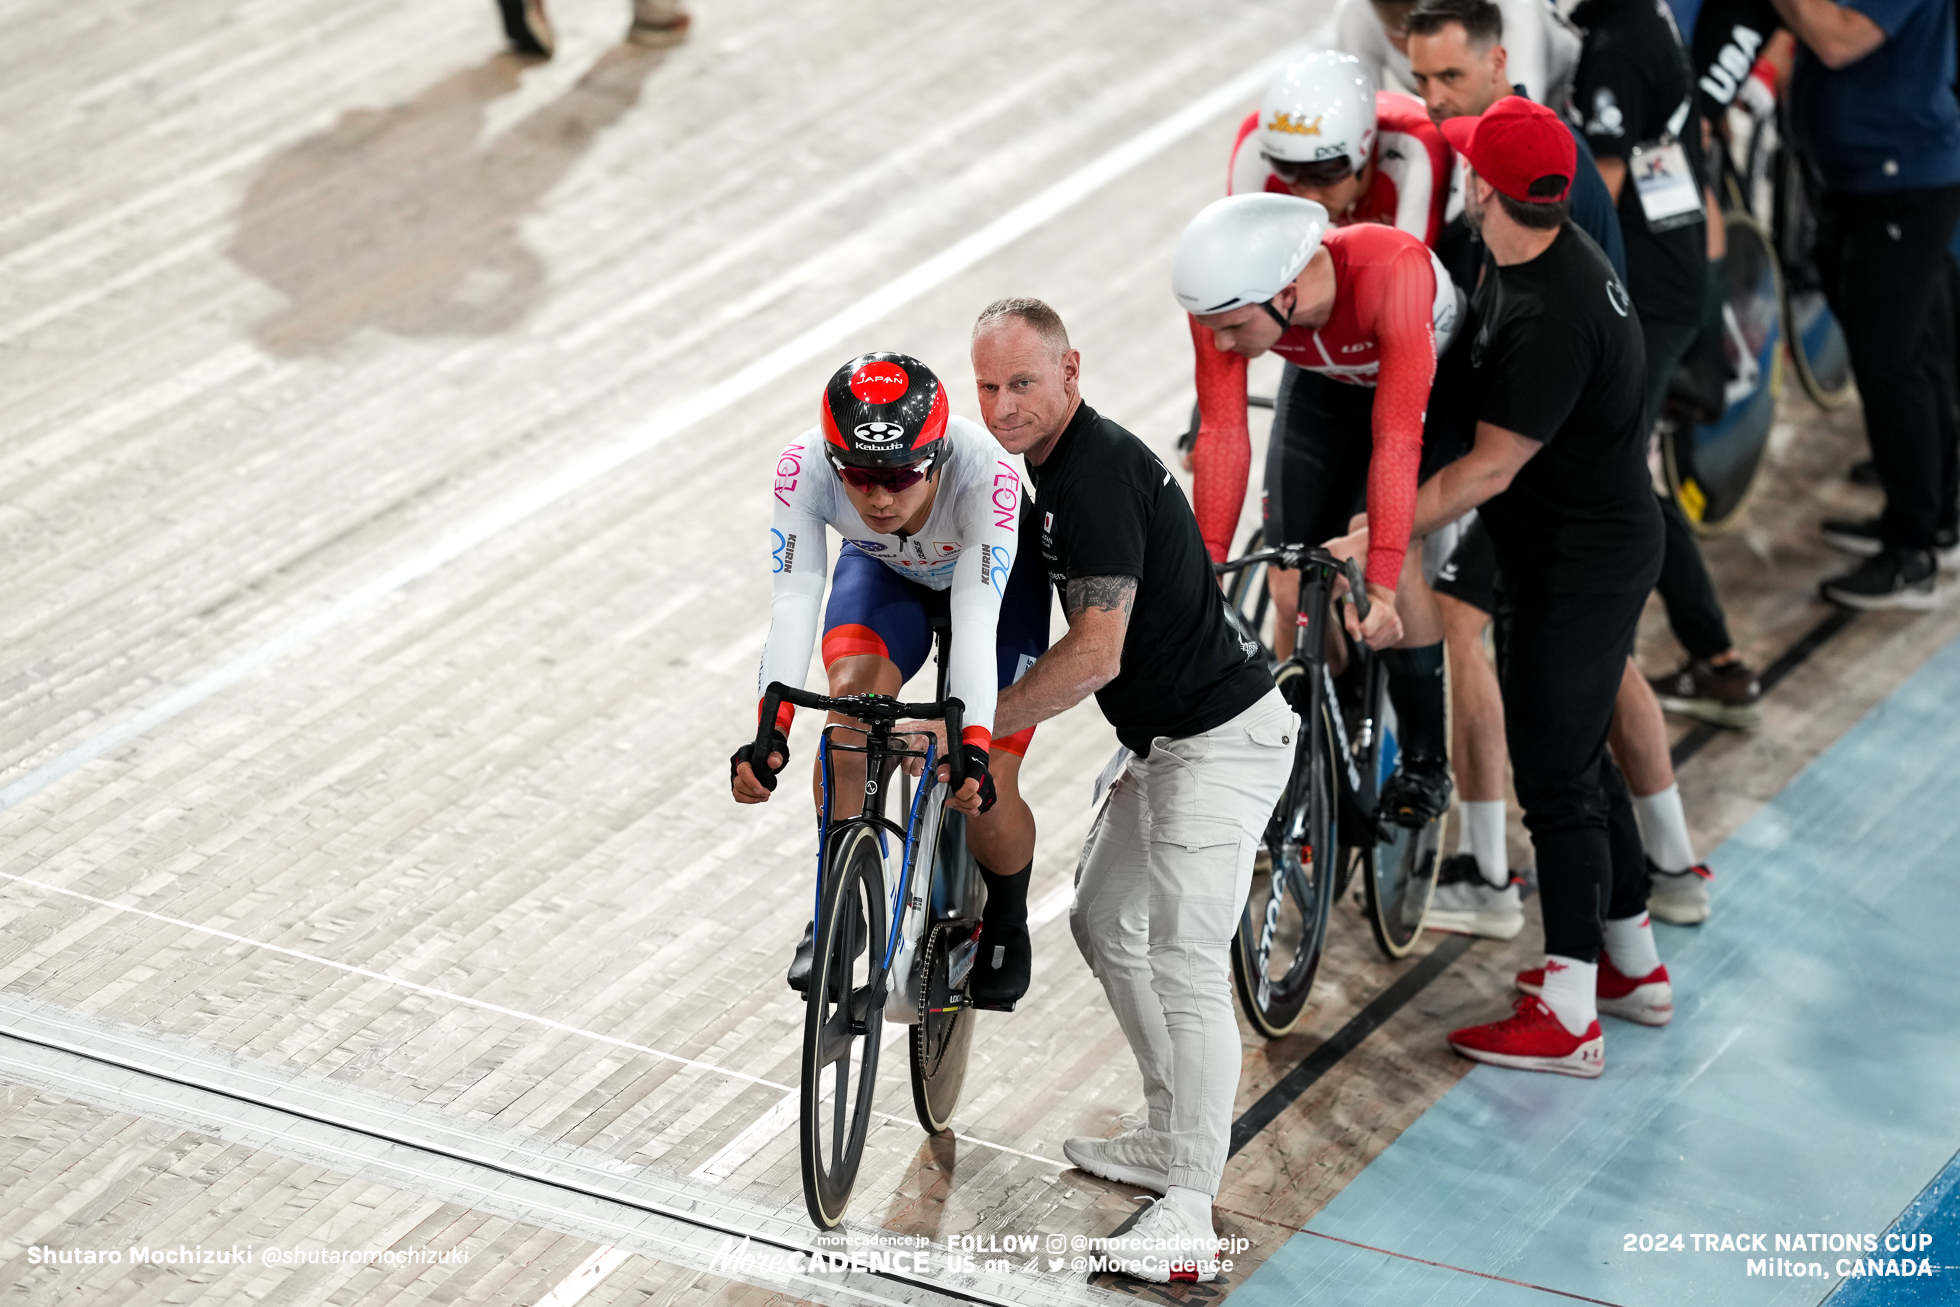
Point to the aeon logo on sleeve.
(1007, 496)
(789, 469)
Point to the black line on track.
(1788, 661)
(1345, 1040)
(516, 1172)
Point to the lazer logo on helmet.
(878, 433)
(880, 382)
(1296, 125)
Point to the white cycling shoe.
(1167, 1245)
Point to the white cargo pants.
(1158, 894)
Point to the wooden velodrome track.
(386, 429)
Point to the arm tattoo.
(1109, 594)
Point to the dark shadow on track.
(401, 219)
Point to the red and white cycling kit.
(1412, 169)
(966, 547)
(1395, 312)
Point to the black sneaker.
(1907, 579)
(1860, 537)
(1730, 695)
(1002, 968)
(1418, 792)
(530, 34)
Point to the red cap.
(1514, 144)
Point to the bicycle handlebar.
(1294, 557)
(873, 708)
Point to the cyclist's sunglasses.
(865, 479)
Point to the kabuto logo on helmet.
(880, 382)
(884, 411)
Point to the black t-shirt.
(1631, 89)
(1105, 506)
(1558, 358)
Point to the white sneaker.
(1139, 1156)
(1466, 904)
(1165, 1246)
(1680, 897)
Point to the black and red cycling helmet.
(884, 411)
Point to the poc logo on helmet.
(878, 433)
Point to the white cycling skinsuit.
(1541, 49)
(966, 546)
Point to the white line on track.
(485, 1005)
(586, 1277)
(894, 294)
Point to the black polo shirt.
(1631, 85)
(1558, 358)
(1105, 506)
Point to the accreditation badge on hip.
(1668, 194)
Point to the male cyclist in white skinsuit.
(930, 514)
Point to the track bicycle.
(896, 927)
(1325, 827)
(1773, 308)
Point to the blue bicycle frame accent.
(823, 816)
(911, 849)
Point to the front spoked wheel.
(843, 1022)
(1284, 926)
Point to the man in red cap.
(1559, 476)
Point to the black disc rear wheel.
(842, 1023)
(1284, 925)
(1396, 864)
(944, 1034)
(1711, 467)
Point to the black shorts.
(1470, 575)
(1323, 438)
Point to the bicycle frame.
(918, 837)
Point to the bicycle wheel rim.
(842, 1024)
(1402, 866)
(1285, 917)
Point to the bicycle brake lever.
(1356, 588)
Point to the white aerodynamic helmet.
(1320, 107)
(1244, 249)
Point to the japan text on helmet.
(1244, 249)
(883, 410)
(1320, 107)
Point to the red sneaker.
(1533, 1039)
(1648, 1000)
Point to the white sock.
(1482, 834)
(1664, 831)
(1570, 992)
(1192, 1203)
(1630, 943)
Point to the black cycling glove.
(778, 743)
(976, 765)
